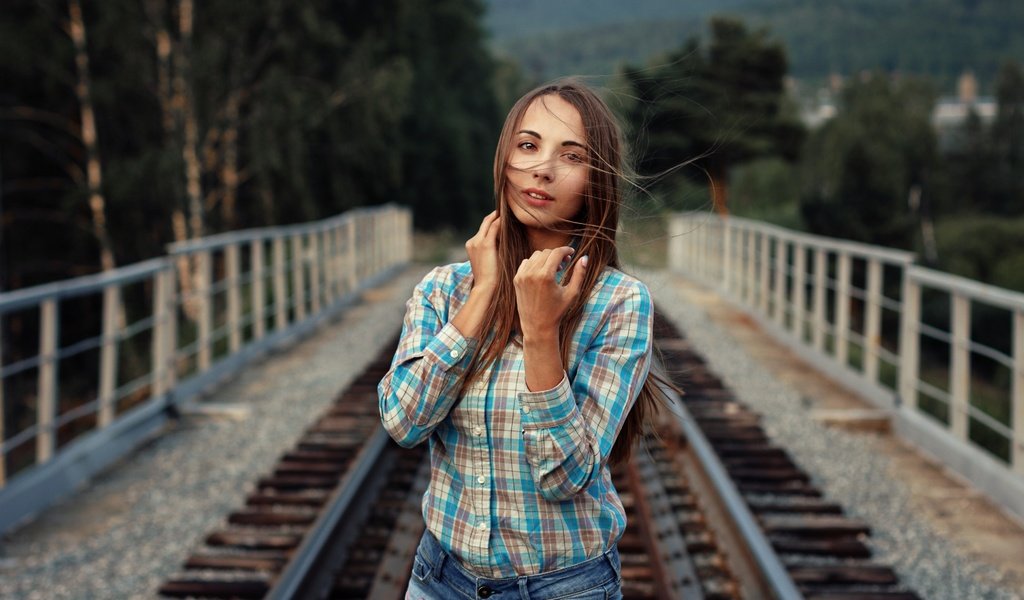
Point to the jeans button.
(484, 591)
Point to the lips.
(536, 197)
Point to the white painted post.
(46, 404)
(750, 285)
(298, 277)
(259, 325)
(1017, 392)
(234, 298)
(799, 290)
(314, 271)
(842, 309)
(3, 411)
(280, 287)
(173, 301)
(873, 323)
(765, 264)
(781, 249)
(204, 272)
(910, 317)
(108, 354)
(960, 367)
(160, 344)
(351, 264)
(818, 330)
(675, 243)
(727, 256)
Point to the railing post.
(173, 301)
(314, 271)
(108, 354)
(298, 276)
(873, 322)
(259, 325)
(204, 271)
(726, 255)
(842, 309)
(1017, 392)
(910, 316)
(960, 359)
(3, 409)
(765, 264)
(781, 262)
(234, 298)
(280, 286)
(799, 289)
(46, 404)
(351, 263)
(163, 280)
(820, 283)
(749, 287)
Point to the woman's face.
(547, 167)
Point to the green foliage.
(984, 248)
(939, 38)
(329, 104)
(861, 165)
(712, 108)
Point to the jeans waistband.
(591, 573)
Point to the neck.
(546, 239)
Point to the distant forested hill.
(939, 38)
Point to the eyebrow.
(539, 137)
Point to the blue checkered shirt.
(519, 480)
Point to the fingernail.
(584, 260)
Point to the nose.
(544, 170)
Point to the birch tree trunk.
(93, 170)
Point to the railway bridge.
(204, 424)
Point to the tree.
(865, 167)
(1008, 141)
(713, 108)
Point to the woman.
(526, 369)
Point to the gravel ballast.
(133, 526)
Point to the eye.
(526, 145)
(574, 157)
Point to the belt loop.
(611, 562)
(439, 563)
(524, 588)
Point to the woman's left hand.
(540, 299)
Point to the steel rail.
(765, 567)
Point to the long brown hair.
(595, 226)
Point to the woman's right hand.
(483, 252)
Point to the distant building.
(948, 118)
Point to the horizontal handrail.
(198, 313)
(856, 311)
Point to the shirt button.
(481, 526)
(478, 431)
(526, 410)
(481, 479)
(454, 354)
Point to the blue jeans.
(438, 576)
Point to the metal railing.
(855, 311)
(69, 407)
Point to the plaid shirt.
(519, 480)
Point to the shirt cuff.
(450, 346)
(549, 408)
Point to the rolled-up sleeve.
(569, 430)
(420, 388)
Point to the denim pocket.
(609, 590)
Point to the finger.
(486, 223)
(577, 275)
(555, 257)
(493, 229)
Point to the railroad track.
(339, 517)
